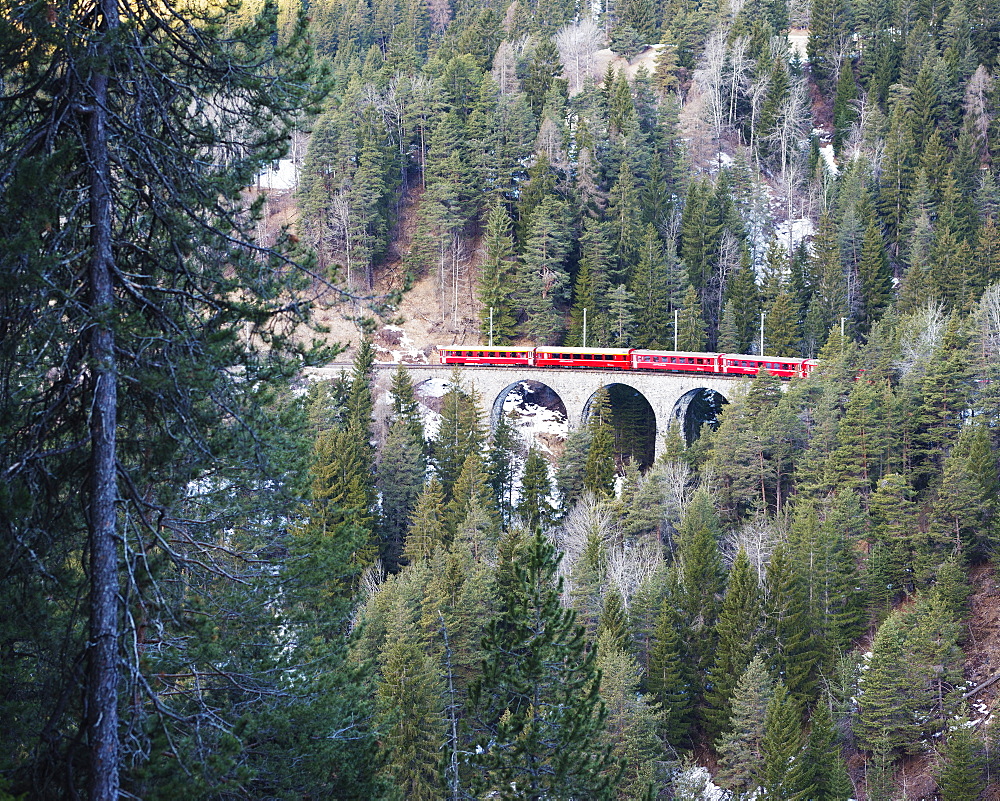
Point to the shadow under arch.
(697, 408)
(634, 422)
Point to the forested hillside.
(221, 581)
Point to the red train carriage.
(675, 361)
(783, 367)
(628, 359)
(501, 355)
(598, 358)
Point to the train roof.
(700, 354)
(562, 349)
(486, 348)
(765, 358)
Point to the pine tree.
(495, 279)
(400, 481)
(471, 495)
(542, 282)
(533, 507)
(960, 777)
(781, 744)
(744, 296)
(740, 748)
(427, 531)
(700, 578)
(665, 75)
(781, 335)
(738, 630)
(599, 472)
(630, 726)
(892, 515)
(944, 392)
(668, 679)
(590, 291)
(844, 110)
(411, 726)
(625, 217)
(829, 300)
(504, 446)
(788, 624)
(405, 406)
(650, 293)
(537, 705)
(874, 276)
(459, 434)
(897, 175)
(820, 773)
(690, 324)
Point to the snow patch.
(794, 231)
(280, 177)
(696, 783)
(826, 151)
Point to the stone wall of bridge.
(665, 392)
(576, 387)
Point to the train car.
(678, 361)
(595, 358)
(742, 364)
(497, 356)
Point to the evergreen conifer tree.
(668, 679)
(738, 631)
(599, 472)
(427, 531)
(533, 507)
(781, 744)
(495, 279)
(741, 756)
(537, 705)
(960, 777)
(459, 434)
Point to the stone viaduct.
(668, 394)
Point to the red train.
(627, 359)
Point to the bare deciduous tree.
(578, 43)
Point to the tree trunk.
(102, 685)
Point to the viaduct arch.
(668, 394)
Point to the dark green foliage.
(459, 435)
(700, 581)
(960, 775)
(668, 678)
(741, 746)
(599, 471)
(820, 773)
(533, 506)
(743, 298)
(542, 281)
(537, 704)
(400, 480)
(410, 723)
(496, 321)
(504, 446)
(738, 630)
(844, 109)
(789, 629)
(781, 745)
(426, 532)
(906, 691)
